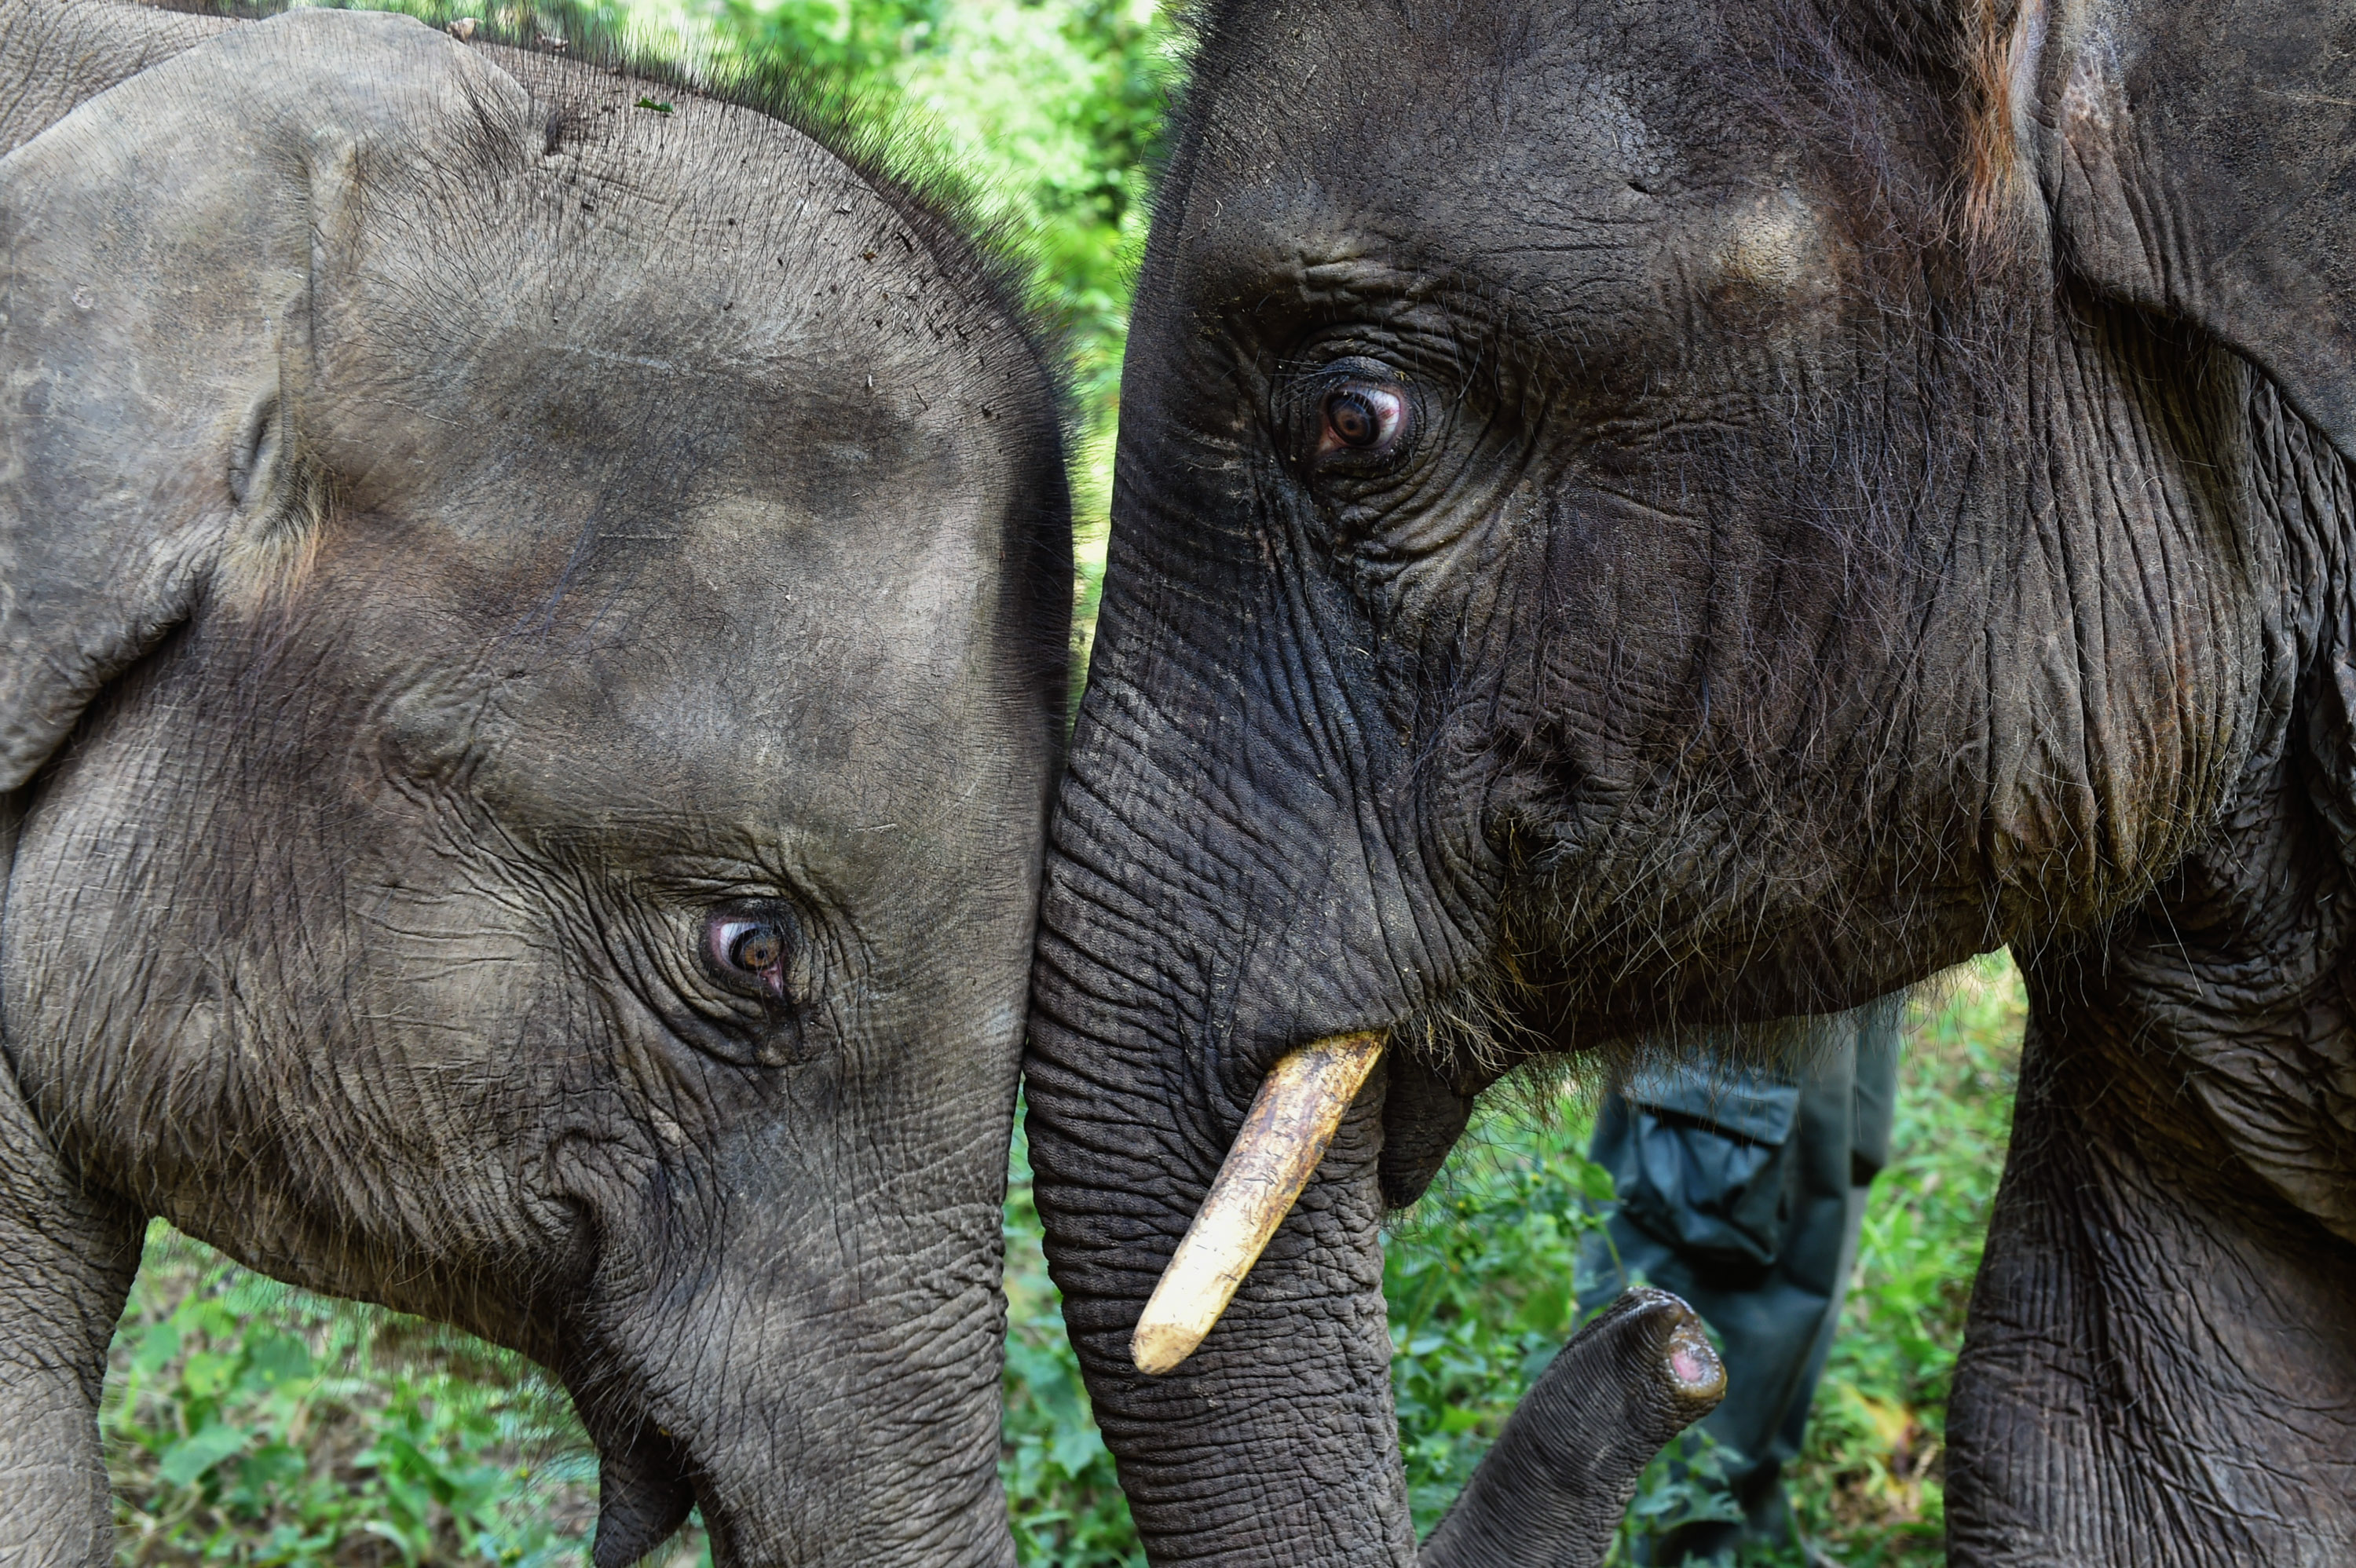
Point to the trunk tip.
(1693, 1363)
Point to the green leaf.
(274, 1358)
(188, 1459)
(207, 1372)
(158, 1345)
(1548, 1310)
(1077, 1448)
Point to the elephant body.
(531, 635)
(533, 616)
(1635, 521)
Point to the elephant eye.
(749, 951)
(1361, 417)
(1360, 421)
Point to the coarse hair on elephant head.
(1633, 520)
(533, 610)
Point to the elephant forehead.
(706, 454)
(739, 663)
(825, 646)
(619, 314)
(619, 434)
(1559, 157)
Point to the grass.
(249, 1423)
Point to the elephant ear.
(2199, 160)
(167, 253)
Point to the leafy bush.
(1480, 1282)
(249, 1423)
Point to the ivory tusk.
(1284, 1135)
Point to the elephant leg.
(66, 1258)
(2160, 1364)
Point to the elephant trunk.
(1257, 1449)
(822, 1378)
(1550, 1494)
(1182, 955)
(1275, 1441)
(835, 1456)
(1241, 867)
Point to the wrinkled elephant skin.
(1650, 517)
(532, 644)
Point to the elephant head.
(1640, 517)
(531, 644)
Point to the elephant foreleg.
(66, 1258)
(2160, 1366)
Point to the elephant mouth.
(646, 1488)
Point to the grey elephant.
(532, 622)
(1656, 517)
(531, 636)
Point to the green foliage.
(1061, 1493)
(251, 1423)
(858, 42)
(1869, 1475)
(1480, 1282)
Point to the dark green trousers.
(1742, 1189)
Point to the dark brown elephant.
(1642, 517)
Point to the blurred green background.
(249, 1423)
